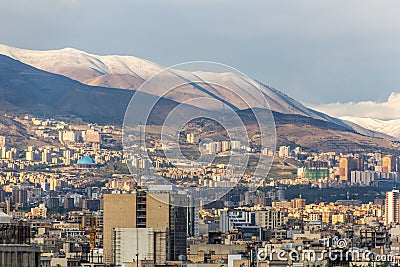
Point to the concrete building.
(190, 138)
(15, 248)
(270, 218)
(20, 196)
(68, 136)
(91, 136)
(3, 141)
(17, 255)
(157, 211)
(229, 220)
(298, 203)
(40, 212)
(389, 164)
(142, 244)
(392, 207)
(284, 151)
(346, 165)
(366, 178)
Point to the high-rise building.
(156, 212)
(91, 136)
(298, 203)
(392, 207)
(235, 219)
(68, 203)
(4, 150)
(2, 141)
(235, 145)
(20, 196)
(346, 165)
(12, 153)
(46, 156)
(32, 155)
(190, 138)
(67, 157)
(68, 136)
(284, 151)
(210, 148)
(142, 244)
(193, 220)
(225, 145)
(388, 163)
(269, 218)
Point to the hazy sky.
(316, 51)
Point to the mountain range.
(128, 72)
(390, 127)
(98, 89)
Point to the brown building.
(389, 164)
(143, 210)
(346, 165)
(298, 203)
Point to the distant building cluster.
(68, 199)
(329, 168)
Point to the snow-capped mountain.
(126, 72)
(129, 72)
(389, 127)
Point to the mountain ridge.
(389, 127)
(128, 72)
(106, 71)
(25, 89)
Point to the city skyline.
(215, 133)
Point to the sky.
(321, 53)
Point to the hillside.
(318, 135)
(24, 89)
(128, 72)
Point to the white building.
(235, 219)
(284, 151)
(190, 138)
(2, 141)
(131, 244)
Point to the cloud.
(387, 110)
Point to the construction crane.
(92, 231)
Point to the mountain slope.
(128, 72)
(24, 89)
(389, 127)
(27, 89)
(85, 67)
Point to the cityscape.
(74, 203)
(199, 133)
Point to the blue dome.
(86, 160)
